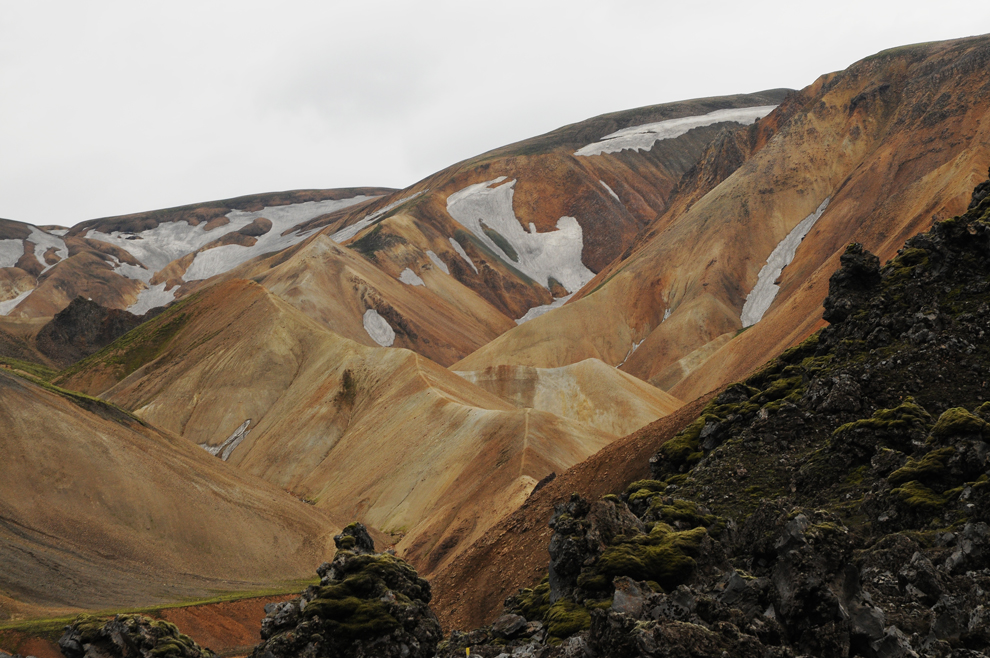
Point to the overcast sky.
(108, 108)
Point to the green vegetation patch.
(928, 468)
(531, 603)
(374, 241)
(501, 242)
(664, 556)
(34, 369)
(565, 618)
(908, 415)
(957, 422)
(917, 496)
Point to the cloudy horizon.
(111, 108)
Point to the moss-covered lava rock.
(127, 636)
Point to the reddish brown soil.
(469, 592)
(28, 645)
(230, 628)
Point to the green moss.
(612, 497)
(531, 603)
(902, 267)
(926, 469)
(683, 511)
(917, 496)
(664, 556)
(684, 446)
(565, 618)
(906, 416)
(957, 422)
(655, 486)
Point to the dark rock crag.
(127, 636)
(367, 604)
(83, 328)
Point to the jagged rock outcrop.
(127, 636)
(367, 604)
(836, 503)
(84, 327)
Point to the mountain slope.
(869, 154)
(382, 435)
(100, 510)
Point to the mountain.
(381, 435)
(872, 154)
(101, 510)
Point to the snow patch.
(765, 290)
(537, 311)
(8, 306)
(666, 314)
(348, 232)
(60, 232)
(129, 271)
(554, 254)
(224, 449)
(610, 191)
(643, 137)
(410, 278)
(436, 261)
(151, 297)
(463, 254)
(43, 242)
(377, 327)
(10, 252)
(157, 247)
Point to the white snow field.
(463, 254)
(537, 311)
(8, 306)
(765, 290)
(439, 263)
(43, 242)
(554, 254)
(348, 232)
(610, 190)
(151, 297)
(157, 247)
(643, 137)
(378, 328)
(10, 252)
(410, 278)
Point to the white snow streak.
(410, 278)
(60, 232)
(632, 350)
(10, 252)
(610, 190)
(348, 232)
(436, 261)
(151, 297)
(9, 305)
(463, 254)
(224, 449)
(765, 290)
(537, 311)
(643, 137)
(377, 327)
(554, 254)
(666, 314)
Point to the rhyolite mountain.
(419, 360)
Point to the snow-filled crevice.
(610, 190)
(632, 350)
(378, 328)
(10, 252)
(537, 311)
(761, 297)
(152, 297)
(410, 278)
(224, 450)
(348, 232)
(9, 305)
(643, 137)
(539, 256)
(463, 254)
(442, 266)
